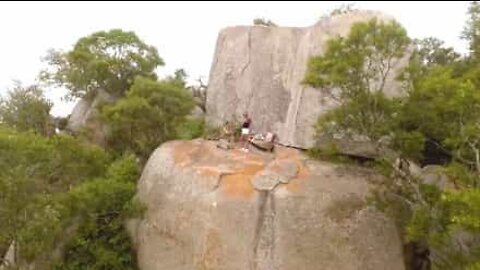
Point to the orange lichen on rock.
(303, 172)
(208, 171)
(235, 167)
(183, 152)
(240, 158)
(238, 184)
(276, 168)
(286, 153)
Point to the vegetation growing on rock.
(436, 121)
(63, 200)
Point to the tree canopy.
(64, 201)
(353, 71)
(107, 61)
(435, 121)
(148, 116)
(27, 109)
(264, 22)
(471, 30)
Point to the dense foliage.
(27, 109)
(107, 61)
(434, 122)
(148, 116)
(62, 202)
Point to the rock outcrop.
(209, 208)
(8, 259)
(85, 114)
(259, 70)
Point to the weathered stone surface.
(266, 180)
(435, 175)
(260, 69)
(197, 112)
(85, 114)
(79, 115)
(278, 171)
(205, 212)
(8, 259)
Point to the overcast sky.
(184, 33)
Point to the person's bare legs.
(244, 142)
(245, 146)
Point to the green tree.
(25, 109)
(148, 116)
(34, 168)
(471, 31)
(353, 71)
(428, 52)
(84, 227)
(440, 108)
(343, 9)
(432, 51)
(444, 109)
(264, 22)
(192, 128)
(339, 10)
(64, 204)
(106, 61)
(101, 240)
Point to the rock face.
(259, 70)
(84, 116)
(209, 208)
(9, 258)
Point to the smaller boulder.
(278, 171)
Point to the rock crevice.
(264, 239)
(261, 69)
(208, 208)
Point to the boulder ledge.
(209, 208)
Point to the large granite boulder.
(209, 208)
(259, 70)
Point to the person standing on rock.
(247, 122)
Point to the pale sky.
(184, 33)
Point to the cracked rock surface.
(276, 172)
(209, 208)
(260, 70)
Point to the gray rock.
(85, 115)
(266, 180)
(197, 112)
(79, 115)
(286, 168)
(205, 211)
(277, 171)
(435, 175)
(260, 69)
(9, 259)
